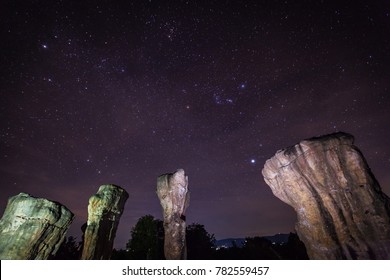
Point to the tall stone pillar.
(104, 212)
(172, 190)
(342, 212)
(32, 228)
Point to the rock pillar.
(104, 211)
(342, 212)
(32, 228)
(172, 190)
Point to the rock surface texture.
(32, 228)
(172, 190)
(105, 209)
(342, 212)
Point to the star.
(44, 46)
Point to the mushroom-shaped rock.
(342, 212)
(105, 209)
(32, 228)
(172, 190)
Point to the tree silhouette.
(119, 254)
(200, 244)
(294, 249)
(70, 249)
(259, 248)
(147, 239)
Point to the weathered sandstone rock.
(342, 212)
(32, 228)
(104, 211)
(172, 190)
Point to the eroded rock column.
(104, 211)
(342, 212)
(32, 228)
(172, 190)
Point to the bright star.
(44, 46)
(253, 161)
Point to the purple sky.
(123, 91)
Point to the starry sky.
(98, 92)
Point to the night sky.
(99, 92)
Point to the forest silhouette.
(146, 242)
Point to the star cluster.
(97, 92)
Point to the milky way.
(97, 92)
